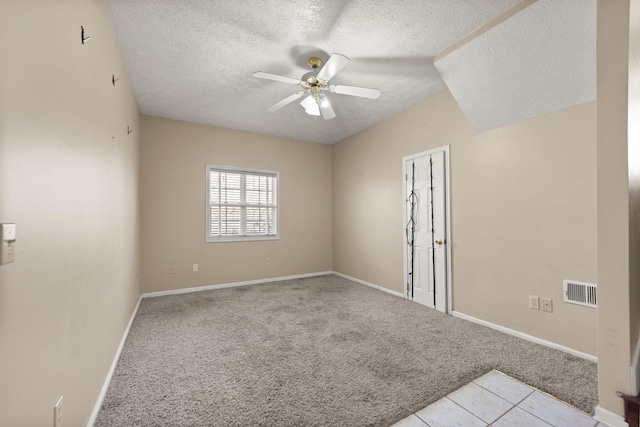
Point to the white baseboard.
(602, 415)
(362, 282)
(526, 336)
(107, 381)
(231, 285)
(609, 418)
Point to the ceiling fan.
(316, 84)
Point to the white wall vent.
(580, 293)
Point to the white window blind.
(242, 204)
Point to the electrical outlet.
(547, 305)
(195, 267)
(172, 270)
(268, 261)
(57, 413)
(534, 302)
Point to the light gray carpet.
(320, 351)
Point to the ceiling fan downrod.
(310, 80)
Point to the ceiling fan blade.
(276, 77)
(288, 100)
(363, 92)
(327, 110)
(335, 63)
(310, 106)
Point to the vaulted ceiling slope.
(540, 60)
(193, 60)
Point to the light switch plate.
(7, 243)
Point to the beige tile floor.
(501, 401)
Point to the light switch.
(7, 243)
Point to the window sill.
(240, 239)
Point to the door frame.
(447, 185)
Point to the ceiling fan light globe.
(310, 105)
(323, 101)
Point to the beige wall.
(523, 209)
(68, 179)
(617, 200)
(634, 182)
(174, 155)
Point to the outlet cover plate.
(547, 305)
(57, 413)
(534, 302)
(7, 243)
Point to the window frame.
(244, 171)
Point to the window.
(242, 204)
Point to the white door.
(426, 231)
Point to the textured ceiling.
(540, 60)
(193, 60)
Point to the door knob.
(439, 241)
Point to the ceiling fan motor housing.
(313, 84)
